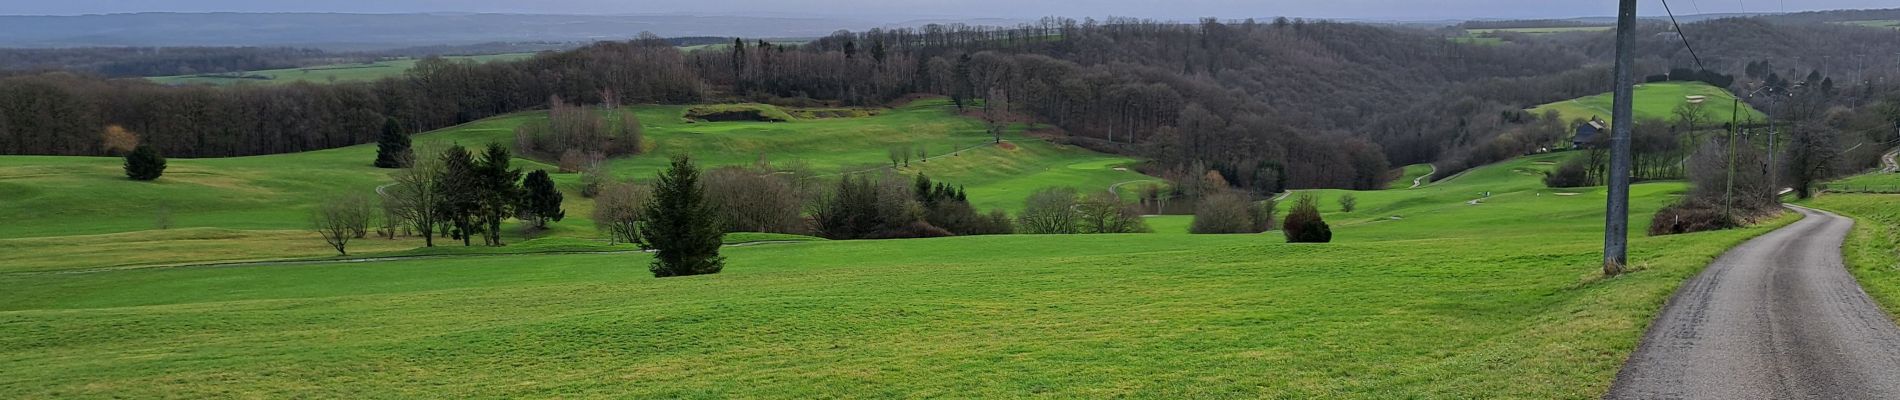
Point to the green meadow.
(263, 202)
(1878, 23)
(351, 72)
(1422, 294)
(1542, 31)
(1658, 101)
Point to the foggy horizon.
(894, 11)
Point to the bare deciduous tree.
(1049, 211)
(341, 219)
(617, 210)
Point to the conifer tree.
(144, 163)
(392, 150)
(681, 227)
(541, 201)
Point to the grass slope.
(263, 202)
(353, 72)
(1656, 101)
(1454, 300)
(1408, 174)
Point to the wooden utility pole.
(1616, 219)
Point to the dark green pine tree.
(144, 163)
(540, 201)
(498, 191)
(392, 150)
(458, 189)
(681, 228)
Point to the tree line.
(65, 114)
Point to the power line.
(1683, 35)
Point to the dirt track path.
(1420, 180)
(1775, 318)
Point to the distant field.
(1656, 101)
(1448, 300)
(1883, 23)
(257, 201)
(1541, 31)
(324, 73)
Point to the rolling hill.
(1421, 295)
(355, 72)
(1656, 101)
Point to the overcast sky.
(882, 9)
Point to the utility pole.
(1616, 219)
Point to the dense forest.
(1268, 105)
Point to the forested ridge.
(1268, 105)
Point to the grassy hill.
(324, 73)
(1449, 299)
(1656, 101)
(226, 205)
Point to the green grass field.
(263, 202)
(1879, 23)
(1542, 31)
(1450, 300)
(1657, 101)
(354, 72)
(1876, 182)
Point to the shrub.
(1572, 173)
(1263, 214)
(1348, 202)
(144, 163)
(1690, 215)
(750, 200)
(579, 128)
(1304, 225)
(1224, 212)
(1103, 212)
(617, 211)
(868, 207)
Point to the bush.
(617, 211)
(1688, 216)
(755, 200)
(1348, 202)
(144, 163)
(868, 207)
(1303, 223)
(1225, 212)
(1103, 212)
(571, 128)
(1572, 173)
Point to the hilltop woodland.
(1268, 106)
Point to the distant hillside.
(383, 31)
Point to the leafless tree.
(1049, 211)
(1103, 212)
(617, 210)
(342, 218)
(755, 200)
(414, 195)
